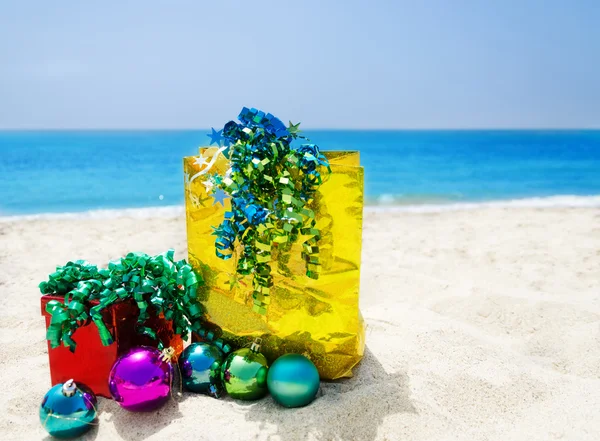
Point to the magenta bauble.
(140, 380)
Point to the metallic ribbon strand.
(271, 184)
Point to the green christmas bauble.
(293, 380)
(244, 374)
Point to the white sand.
(482, 325)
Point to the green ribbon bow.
(169, 286)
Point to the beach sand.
(483, 324)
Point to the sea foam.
(136, 213)
(563, 201)
(174, 211)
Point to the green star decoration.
(234, 281)
(198, 201)
(293, 129)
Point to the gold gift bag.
(318, 318)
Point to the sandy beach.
(483, 324)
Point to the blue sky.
(329, 64)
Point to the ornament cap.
(167, 354)
(69, 388)
(255, 347)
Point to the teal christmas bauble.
(244, 374)
(200, 365)
(68, 410)
(293, 380)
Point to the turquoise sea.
(76, 171)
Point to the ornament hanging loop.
(255, 347)
(167, 354)
(69, 388)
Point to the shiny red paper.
(91, 362)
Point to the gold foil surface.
(318, 318)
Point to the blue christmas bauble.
(200, 365)
(68, 410)
(293, 380)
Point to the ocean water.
(77, 171)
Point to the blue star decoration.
(220, 196)
(215, 137)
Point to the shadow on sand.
(137, 426)
(349, 409)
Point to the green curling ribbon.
(271, 184)
(168, 286)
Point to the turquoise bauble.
(293, 380)
(67, 410)
(244, 374)
(200, 365)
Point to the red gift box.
(91, 362)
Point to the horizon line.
(399, 129)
